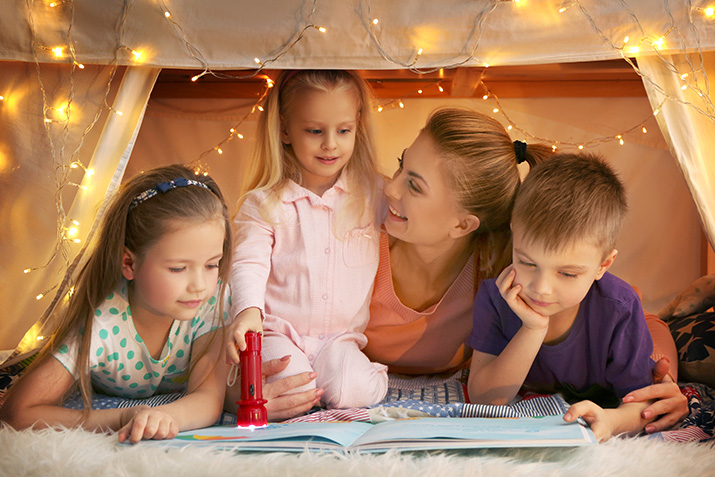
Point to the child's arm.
(247, 320)
(606, 423)
(35, 401)
(200, 407)
(497, 379)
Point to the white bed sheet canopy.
(70, 117)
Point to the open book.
(406, 434)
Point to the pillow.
(694, 337)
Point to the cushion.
(694, 337)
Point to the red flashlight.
(251, 410)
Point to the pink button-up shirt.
(289, 262)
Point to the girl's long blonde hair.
(137, 229)
(273, 163)
(478, 157)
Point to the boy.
(555, 320)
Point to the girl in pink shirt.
(308, 236)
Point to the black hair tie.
(520, 151)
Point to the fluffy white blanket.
(79, 453)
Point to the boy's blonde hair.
(478, 158)
(273, 163)
(571, 198)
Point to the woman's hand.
(144, 422)
(283, 406)
(670, 404)
(510, 292)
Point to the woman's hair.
(273, 162)
(479, 159)
(137, 227)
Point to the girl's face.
(422, 207)
(178, 274)
(321, 127)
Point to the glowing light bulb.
(195, 78)
(495, 110)
(710, 11)
(118, 113)
(509, 127)
(240, 136)
(553, 147)
(72, 231)
(2, 98)
(167, 14)
(625, 40)
(219, 150)
(684, 87)
(379, 109)
(79, 65)
(659, 43)
(257, 61)
(419, 52)
(75, 222)
(634, 49)
(375, 21)
(683, 76)
(485, 96)
(441, 89)
(27, 270)
(58, 51)
(419, 91)
(322, 29)
(137, 55)
(580, 146)
(260, 108)
(402, 105)
(644, 130)
(39, 297)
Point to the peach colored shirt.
(414, 342)
(290, 263)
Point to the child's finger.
(505, 279)
(232, 353)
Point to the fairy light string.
(66, 166)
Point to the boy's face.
(555, 283)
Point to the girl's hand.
(144, 422)
(670, 404)
(283, 406)
(600, 420)
(510, 292)
(248, 320)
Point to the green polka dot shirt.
(120, 364)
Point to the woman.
(450, 206)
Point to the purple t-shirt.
(608, 345)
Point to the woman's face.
(423, 209)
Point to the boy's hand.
(144, 422)
(510, 292)
(248, 320)
(601, 421)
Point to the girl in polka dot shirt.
(146, 316)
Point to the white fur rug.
(79, 453)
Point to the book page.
(516, 432)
